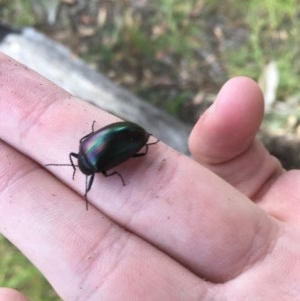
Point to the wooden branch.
(55, 62)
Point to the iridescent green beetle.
(106, 148)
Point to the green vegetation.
(18, 273)
(17, 12)
(159, 52)
(167, 51)
(273, 35)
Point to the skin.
(224, 226)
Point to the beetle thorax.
(84, 165)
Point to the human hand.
(176, 231)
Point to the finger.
(8, 294)
(83, 254)
(170, 201)
(224, 138)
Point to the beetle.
(106, 148)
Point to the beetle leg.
(93, 126)
(153, 142)
(143, 153)
(113, 173)
(146, 149)
(72, 163)
(91, 133)
(84, 137)
(88, 185)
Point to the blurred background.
(175, 55)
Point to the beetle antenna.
(61, 165)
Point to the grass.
(157, 51)
(171, 34)
(19, 12)
(274, 35)
(18, 273)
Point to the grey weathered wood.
(55, 62)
